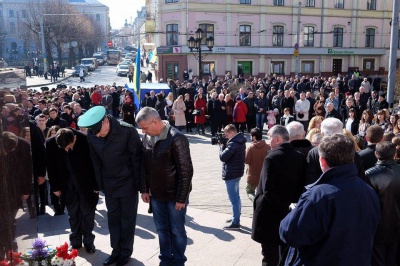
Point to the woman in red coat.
(200, 104)
(239, 115)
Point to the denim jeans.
(260, 120)
(232, 186)
(172, 237)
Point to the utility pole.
(296, 71)
(393, 53)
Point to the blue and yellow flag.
(136, 78)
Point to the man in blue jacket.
(335, 220)
(232, 155)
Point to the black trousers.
(384, 254)
(240, 126)
(272, 253)
(81, 217)
(250, 122)
(121, 213)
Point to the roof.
(86, 2)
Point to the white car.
(122, 69)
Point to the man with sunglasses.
(116, 152)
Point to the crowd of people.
(332, 138)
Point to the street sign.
(296, 52)
(109, 43)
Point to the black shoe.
(122, 262)
(232, 226)
(59, 213)
(90, 248)
(76, 246)
(110, 260)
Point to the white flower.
(36, 263)
(44, 263)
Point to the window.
(371, 4)
(307, 66)
(277, 36)
(279, 2)
(208, 31)
(338, 37)
(97, 17)
(248, 2)
(245, 35)
(278, 67)
(310, 3)
(208, 68)
(11, 13)
(172, 34)
(171, 1)
(370, 37)
(369, 64)
(12, 28)
(24, 14)
(339, 3)
(309, 36)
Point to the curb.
(51, 83)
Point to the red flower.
(4, 263)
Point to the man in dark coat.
(373, 136)
(71, 174)
(313, 170)
(384, 178)
(382, 103)
(335, 220)
(281, 183)
(116, 152)
(251, 111)
(151, 100)
(332, 112)
(232, 154)
(296, 137)
(55, 120)
(15, 185)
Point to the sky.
(121, 10)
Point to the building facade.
(13, 12)
(259, 37)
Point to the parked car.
(77, 69)
(122, 69)
(100, 58)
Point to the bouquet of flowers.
(63, 257)
(13, 258)
(40, 255)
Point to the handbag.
(196, 112)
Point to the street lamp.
(195, 43)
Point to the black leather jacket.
(168, 167)
(384, 178)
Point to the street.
(103, 75)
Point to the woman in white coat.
(179, 108)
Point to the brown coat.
(255, 155)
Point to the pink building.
(257, 37)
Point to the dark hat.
(238, 98)
(272, 87)
(382, 94)
(300, 115)
(280, 90)
(93, 119)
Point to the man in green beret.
(116, 151)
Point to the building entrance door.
(337, 66)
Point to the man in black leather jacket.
(168, 179)
(384, 178)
